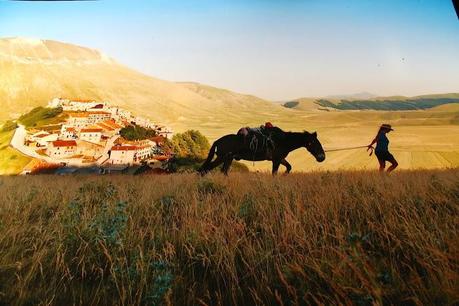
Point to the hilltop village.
(89, 136)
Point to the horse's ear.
(314, 134)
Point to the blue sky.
(274, 49)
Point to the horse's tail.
(211, 155)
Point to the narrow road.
(17, 142)
(107, 148)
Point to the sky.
(276, 50)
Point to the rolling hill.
(394, 103)
(32, 71)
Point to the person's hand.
(370, 148)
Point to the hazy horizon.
(269, 49)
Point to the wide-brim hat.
(387, 127)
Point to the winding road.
(17, 142)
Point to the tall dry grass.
(322, 238)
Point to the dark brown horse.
(232, 146)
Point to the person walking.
(382, 148)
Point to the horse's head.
(314, 146)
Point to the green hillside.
(396, 103)
(11, 161)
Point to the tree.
(190, 149)
(190, 144)
(136, 132)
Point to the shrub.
(161, 283)
(96, 217)
(9, 126)
(39, 115)
(210, 187)
(239, 167)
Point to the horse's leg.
(214, 164)
(227, 164)
(287, 165)
(276, 164)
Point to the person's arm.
(375, 140)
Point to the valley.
(35, 71)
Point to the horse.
(233, 146)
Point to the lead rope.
(351, 148)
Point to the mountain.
(33, 71)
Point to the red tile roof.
(105, 126)
(41, 135)
(64, 143)
(161, 157)
(91, 130)
(98, 113)
(112, 124)
(158, 139)
(79, 115)
(124, 148)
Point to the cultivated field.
(421, 140)
(321, 238)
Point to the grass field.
(415, 147)
(421, 140)
(11, 161)
(321, 238)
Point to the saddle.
(257, 140)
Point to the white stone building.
(44, 142)
(164, 131)
(42, 138)
(122, 155)
(89, 149)
(145, 150)
(78, 120)
(91, 134)
(80, 105)
(98, 116)
(68, 132)
(77, 105)
(61, 149)
(35, 136)
(144, 122)
(56, 102)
